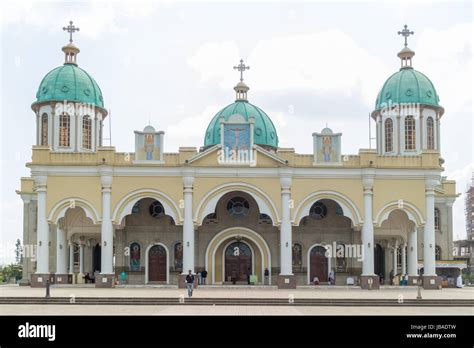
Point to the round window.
(409, 92)
(157, 210)
(318, 211)
(258, 131)
(87, 92)
(65, 89)
(238, 207)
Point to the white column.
(413, 253)
(71, 258)
(395, 259)
(81, 258)
(285, 228)
(429, 232)
(367, 234)
(404, 260)
(42, 227)
(61, 250)
(188, 224)
(107, 233)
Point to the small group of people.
(88, 278)
(189, 280)
(202, 277)
(331, 279)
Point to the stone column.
(412, 257)
(42, 228)
(188, 225)
(368, 278)
(71, 257)
(404, 260)
(106, 277)
(395, 258)
(430, 281)
(81, 258)
(188, 228)
(286, 279)
(27, 251)
(61, 255)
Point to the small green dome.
(264, 130)
(71, 83)
(407, 86)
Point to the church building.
(239, 206)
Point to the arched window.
(430, 133)
(410, 138)
(436, 219)
(388, 135)
(44, 129)
(86, 132)
(64, 130)
(437, 252)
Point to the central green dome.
(264, 130)
(71, 83)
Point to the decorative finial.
(241, 67)
(406, 33)
(70, 29)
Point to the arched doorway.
(157, 264)
(319, 264)
(238, 259)
(379, 260)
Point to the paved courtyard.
(240, 292)
(233, 292)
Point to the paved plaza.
(234, 292)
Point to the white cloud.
(189, 131)
(323, 61)
(212, 61)
(446, 57)
(92, 17)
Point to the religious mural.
(134, 257)
(178, 257)
(297, 252)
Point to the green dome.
(407, 86)
(264, 130)
(69, 82)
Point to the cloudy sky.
(170, 63)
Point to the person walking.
(190, 283)
(266, 275)
(199, 278)
(248, 275)
(204, 276)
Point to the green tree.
(12, 271)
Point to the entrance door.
(238, 259)
(379, 260)
(157, 264)
(318, 264)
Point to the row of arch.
(65, 131)
(208, 204)
(410, 134)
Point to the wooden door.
(157, 264)
(318, 264)
(238, 259)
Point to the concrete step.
(237, 301)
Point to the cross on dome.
(70, 29)
(241, 67)
(406, 33)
